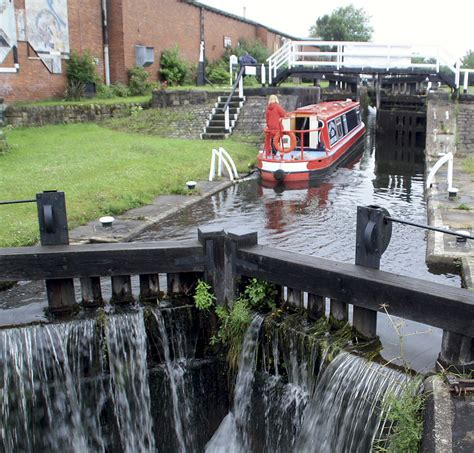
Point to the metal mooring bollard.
(372, 238)
(52, 218)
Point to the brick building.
(36, 37)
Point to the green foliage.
(260, 295)
(217, 72)
(74, 90)
(191, 75)
(203, 298)
(104, 91)
(404, 412)
(468, 60)
(121, 90)
(138, 81)
(251, 81)
(81, 68)
(233, 324)
(173, 68)
(346, 23)
(254, 47)
(463, 207)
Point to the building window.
(227, 41)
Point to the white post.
(233, 60)
(466, 78)
(227, 157)
(263, 75)
(219, 163)
(450, 172)
(226, 119)
(241, 87)
(212, 170)
(458, 73)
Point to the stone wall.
(174, 98)
(465, 121)
(186, 122)
(21, 116)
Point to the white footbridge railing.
(223, 161)
(345, 54)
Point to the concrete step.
(214, 136)
(216, 129)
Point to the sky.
(415, 22)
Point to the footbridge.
(325, 59)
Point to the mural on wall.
(7, 28)
(47, 30)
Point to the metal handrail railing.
(297, 52)
(238, 82)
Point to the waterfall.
(232, 434)
(129, 390)
(56, 396)
(176, 352)
(345, 414)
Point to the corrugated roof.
(239, 18)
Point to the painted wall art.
(7, 28)
(47, 30)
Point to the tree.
(343, 24)
(468, 60)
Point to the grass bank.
(102, 171)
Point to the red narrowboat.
(312, 141)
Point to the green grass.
(102, 171)
(468, 165)
(116, 100)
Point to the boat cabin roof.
(326, 110)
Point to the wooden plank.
(92, 260)
(410, 298)
(91, 291)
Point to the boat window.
(344, 124)
(352, 118)
(332, 132)
(340, 132)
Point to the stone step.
(216, 130)
(214, 136)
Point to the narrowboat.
(312, 141)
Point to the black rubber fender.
(279, 175)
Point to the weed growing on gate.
(203, 298)
(234, 321)
(403, 407)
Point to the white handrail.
(448, 157)
(223, 158)
(348, 54)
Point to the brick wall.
(159, 24)
(34, 81)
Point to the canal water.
(321, 221)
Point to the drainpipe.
(201, 70)
(105, 39)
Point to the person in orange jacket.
(273, 114)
